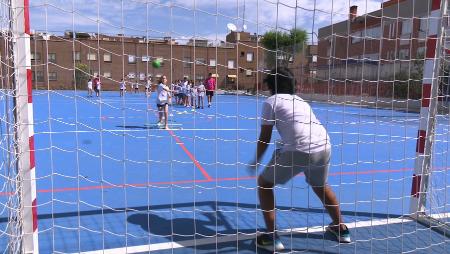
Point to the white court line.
(232, 238)
(139, 130)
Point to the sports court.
(109, 180)
(97, 174)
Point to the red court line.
(197, 164)
(97, 187)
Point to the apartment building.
(235, 62)
(366, 55)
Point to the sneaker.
(267, 242)
(342, 235)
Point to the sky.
(185, 19)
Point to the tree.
(283, 45)
(81, 75)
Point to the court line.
(96, 187)
(243, 237)
(138, 130)
(197, 164)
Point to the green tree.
(81, 75)
(283, 46)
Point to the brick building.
(235, 63)
(369, 54)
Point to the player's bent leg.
(268, 240)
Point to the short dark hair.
(280, 80)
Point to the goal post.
(427, 120)
(24, 133)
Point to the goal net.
(94, 161)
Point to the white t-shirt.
(201, 90)
(163, 95)
(188, 90)
(89, 84)
(294, 119)
(193, 91)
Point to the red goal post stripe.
(32, 169)
(427, 84)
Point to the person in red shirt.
(96, 85)
(210, 85)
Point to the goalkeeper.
(305, 148)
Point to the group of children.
(188, 94)
(94, 85)
(135, 87)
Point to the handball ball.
(156, 63)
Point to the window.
(35, 56)
(407, 26)
(242, 53)
(131, 75)
(314, 59)
(187, 62)
(420, 53)
(329, 51)
(145, 59)
(199, 78)
(77, 56)
(200, 61)
(131, 59)
(141, 76)
(52, 76)
(91, 57)
(94, 73)
(390, 55)
(403, 54)
(405, 39)
(52, 57)
(356, 37)
(389, 27)
(107, 57)
(248, 73)
(107, 74)
(373, 32)
(423, 28)
(38, 76)
(372, 57)
(231, 64)
(212, 62)
(250, 57)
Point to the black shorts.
(209, 93)
(161, 105)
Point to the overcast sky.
(188, 18)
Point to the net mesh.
(109, 178)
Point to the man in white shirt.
(305, 148)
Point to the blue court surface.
(110, 181)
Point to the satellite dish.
(244, 27)
(232, 27)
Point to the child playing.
(162, 100)
(306, 148)
(89, 84)
(193, 95)
(201, 94)
(122, 87)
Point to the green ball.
(156, 63)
